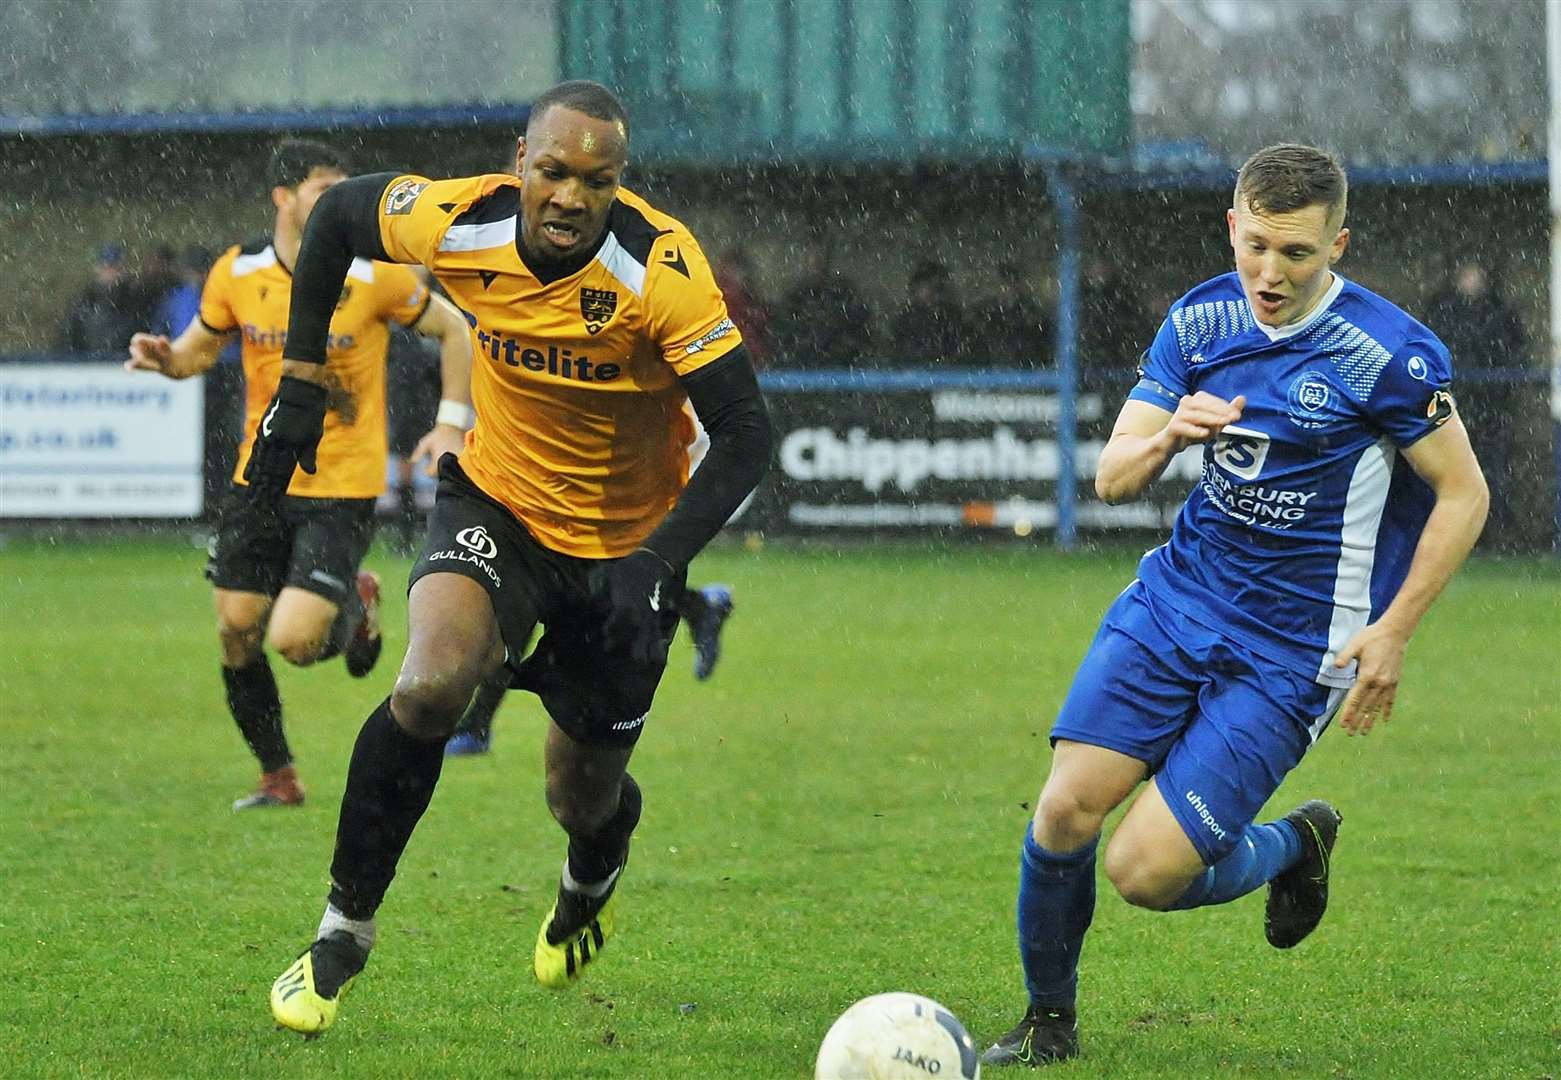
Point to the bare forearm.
(1449, 535)
(455, 366)
(307, 370)
(1130, 463)
(189, 355)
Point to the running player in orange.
(286, 574)
(595, 318)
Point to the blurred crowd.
(821, 320)
(818, 320)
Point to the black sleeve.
(725, 395)
(344, 225)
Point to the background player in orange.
(287, 575)
(596, 318)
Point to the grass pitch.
(836, 813)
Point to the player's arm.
(1446, 462)
(343, 225)
(442, 321)
(726, 398)
(191, 353)
(1146, 437)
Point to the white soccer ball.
(897, 1037)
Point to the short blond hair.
(1289, 176)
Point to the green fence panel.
(715, 81)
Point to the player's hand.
(1378, 652)
(288, 435)
(636, 592)
(441, 439)
(151, 352)
(1200, 417)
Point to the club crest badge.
(1309, 397)
(597, 307)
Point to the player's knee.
(241, 641)
(1139, 878)
(579, 812)
(1064, 822)
(429, 706)
(297, 649)
(576, 815)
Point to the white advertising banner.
(95, 441)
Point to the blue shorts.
(1218, 725)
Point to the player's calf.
(583, 918)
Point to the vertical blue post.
(1065, 200)
(1555, 426)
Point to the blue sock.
(1056, 904)
(1262, 853)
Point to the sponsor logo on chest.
(542, 358)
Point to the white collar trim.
(1290, 330)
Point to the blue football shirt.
(1302, 526)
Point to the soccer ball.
(896, 1037)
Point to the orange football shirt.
(581, 431)
(248, 291)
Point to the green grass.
(836, 813)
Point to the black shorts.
(596, 696)
(314, 544)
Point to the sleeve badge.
(402, 196)
(1440, 408)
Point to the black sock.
(592, 858)
(692, 605)
(257, 709)
(348, 616)
(478, 718)
(389, 782)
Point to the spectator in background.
(181, 301)
(158, 273)
(931, 328)
(1011, 329)
(822, 322)
(1484, 334)
(734, 276)
(1112, 329)
(101, 318)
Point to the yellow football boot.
(306, 996)
(572, 936)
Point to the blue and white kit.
(1298, 534)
